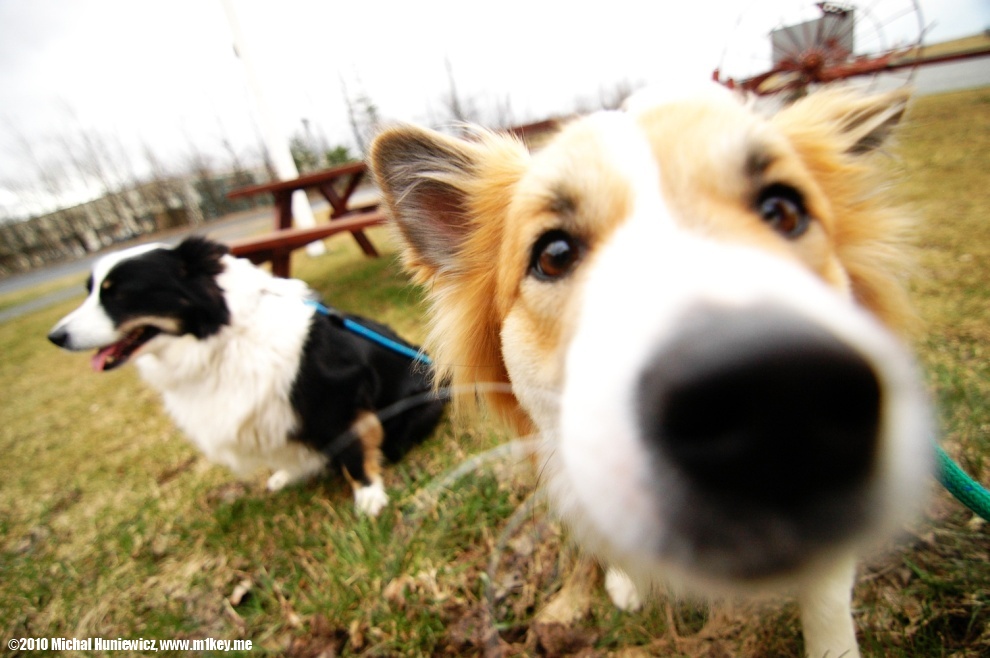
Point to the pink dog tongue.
(100, 359)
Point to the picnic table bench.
(337, 185)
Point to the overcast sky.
(165, 72)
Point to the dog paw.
(622, 590)
(370, 499)
(279, 480)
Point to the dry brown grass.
(112, 525)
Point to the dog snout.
(761, 405)
(59, 336)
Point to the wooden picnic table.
(337, 185)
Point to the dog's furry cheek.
(815, 252)
(837, 277)
(535, 365)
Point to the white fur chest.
(230, 393)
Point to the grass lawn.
(112, 526)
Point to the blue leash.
(370, 334)
(337, 446)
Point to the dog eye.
(782, 207)
(554, 255)
(109, 289)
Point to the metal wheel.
(790, 46)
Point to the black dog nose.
(59, 336)
(762, 405)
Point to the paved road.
(948, 76)
(224, 229)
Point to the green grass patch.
(112, 525)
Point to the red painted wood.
(277, 246)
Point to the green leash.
(967, 491)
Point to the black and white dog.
(250, 370)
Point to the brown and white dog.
(695, 302)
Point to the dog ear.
(449, 198)
(862, 123)
(200, 257)
(205, 309)
(432, 184)
(869, 122)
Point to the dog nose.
(762, 405)
(59, 336)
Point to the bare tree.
(352, 118)
(457, 109)
(89, 152)
(44, 179)
(164, 194)
(307, 160)
(136, 188)
(31, 198)
(199, 167)
(503, 116)
(239, 174)
(613, 96)
(610, 97)
(233, 158)
(266, 159)
(362, 114)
